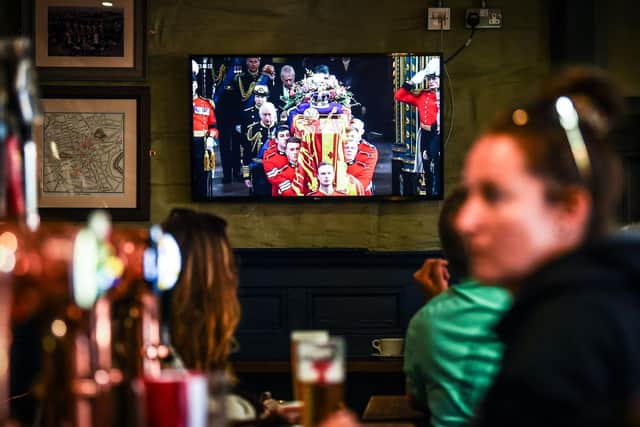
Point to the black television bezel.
(312, 199)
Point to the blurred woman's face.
(508, 227)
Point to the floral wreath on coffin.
(324, 92)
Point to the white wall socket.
(438, 18)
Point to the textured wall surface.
(617, 23)
(498, 68)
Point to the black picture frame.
(140, 210)
(97, 68)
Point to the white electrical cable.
(453, 110)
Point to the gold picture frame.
(93, 152)
(84, 40)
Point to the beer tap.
(78, 378)
(137, 311)
(80, 282)
(162, 265)
(18, 112)
(116, 336)
(35, 279)
(87, 286)
(29, 114)
(138, 343)
(12, 204)
(96, 269)
(4, 133)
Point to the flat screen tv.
(308, 127)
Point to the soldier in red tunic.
(275, 158)
(205, 134)
(426, 101)
(282, 178)
(279, 144)
(361, 157)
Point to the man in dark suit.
(237, 95)
(281, 92)
(349, 72)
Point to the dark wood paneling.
(627, 141)
(266, 312)
(353, 309)
(573, 32)
(357, 294)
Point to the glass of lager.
(321, 373)
(316, 336)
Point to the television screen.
(315, 126)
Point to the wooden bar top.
(391, 408)
(391, 366)
(389, 424)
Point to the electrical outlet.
(487, 18)
(438, 18)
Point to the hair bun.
(596, 96)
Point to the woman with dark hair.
(203, 308)
(204, 304)
(543, 184)
(205, 311)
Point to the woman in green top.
(451, 350)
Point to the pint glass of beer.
(321, 373)
(314, 336)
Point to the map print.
(83, 153)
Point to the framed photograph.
(93, 152)
(87, 39)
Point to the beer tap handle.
(11, 168)
(30, 114)
(4, 133)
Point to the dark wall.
(592, 32)
(9, 22)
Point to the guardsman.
(428, 105)
(275, 157)
(256, 142)
(361, 156)
(364, 166)
(282, 173)
(205, 134)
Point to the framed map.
(93, 152)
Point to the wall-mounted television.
(342, 126)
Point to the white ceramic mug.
(388, 346)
